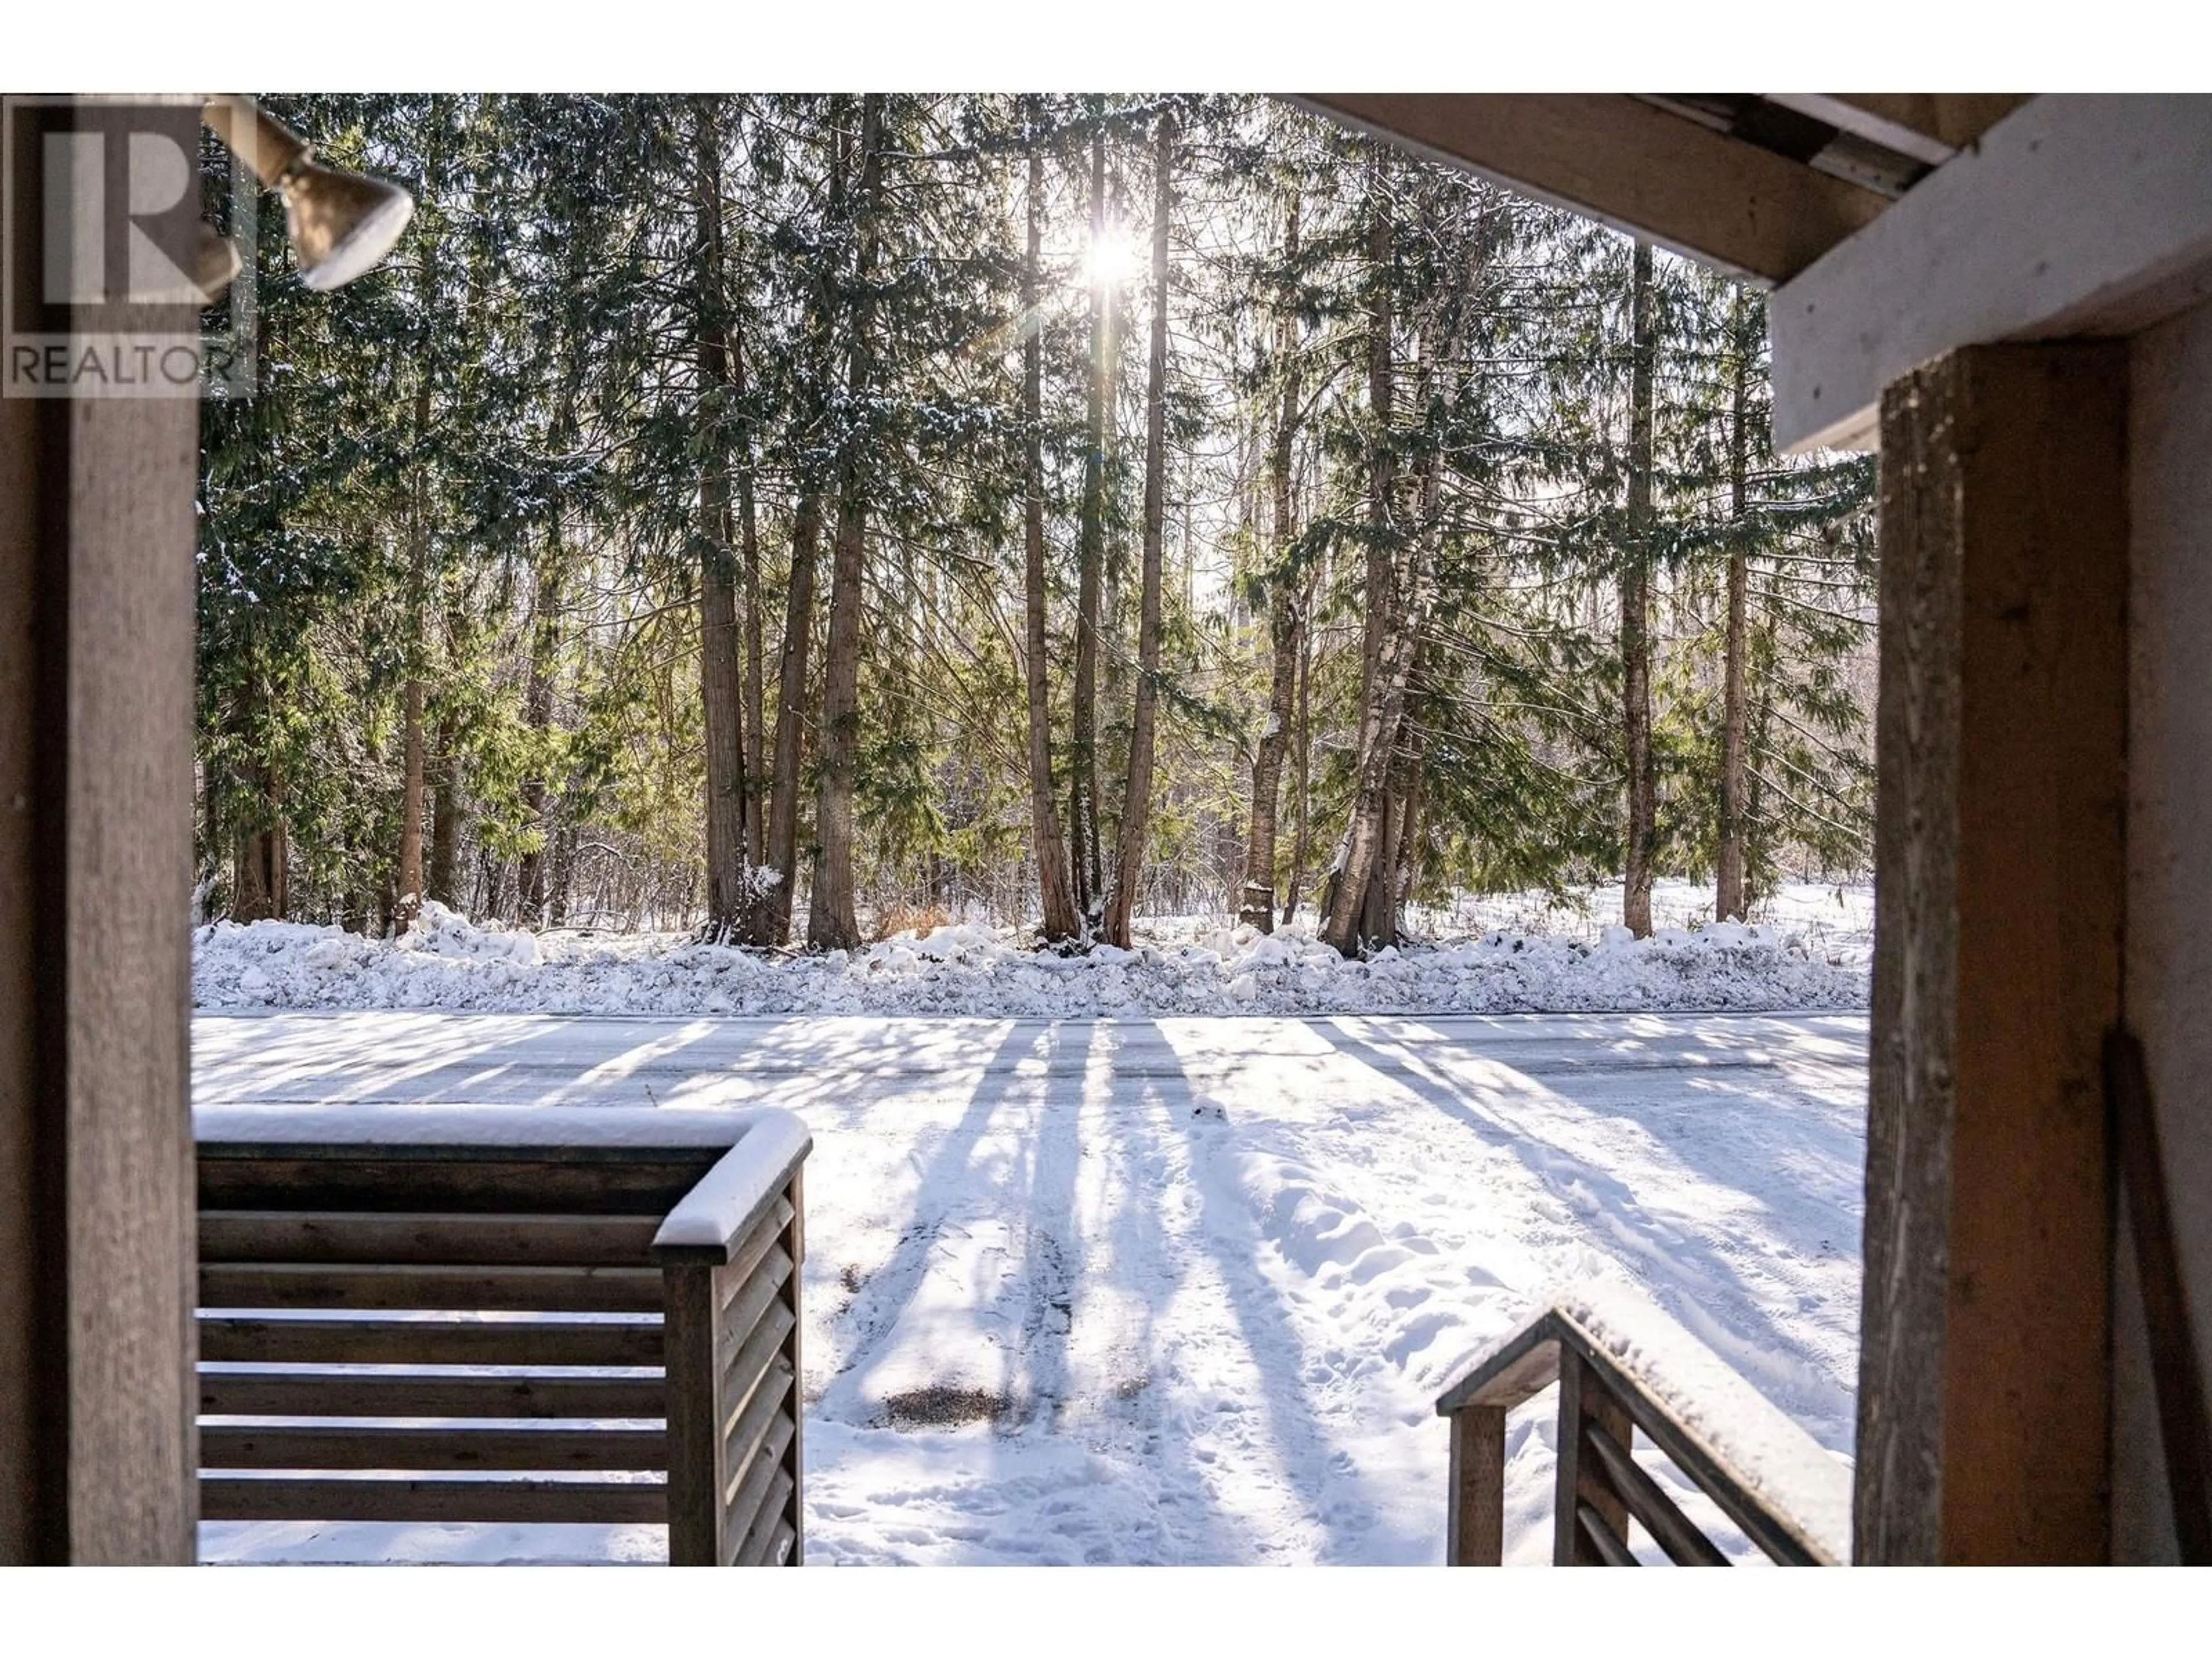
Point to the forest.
(793, 520)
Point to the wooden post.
(1584, 1400)
(697, 1527)
(794, 1245)
(98, 1452)
(1474, 1523)
(1983, 1384)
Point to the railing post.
(1584, 1400)
(794, 1246)
(1474, 1527)
(695, 1518)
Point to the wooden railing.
(642, 1272)
(1624, 1368)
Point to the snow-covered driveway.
(1184, 1289)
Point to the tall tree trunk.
(1302, 837)
(564, 874)
(1411, 824)
(446, 812)
(1419, 536)
(407, 874)
(721, 692)
(1381, 473)
(831, 921)
(767, 917)
(259, 852)
(767, 920)
(407, 878)
(1349, 920)
(1062, 921)
(408, 904)
(1729, 897)
(1286, 622)
(753, 802)
(1084, 857)
(538, 715)
(259, 861)
(757, 803)
(1636, 610)
(1137, 796)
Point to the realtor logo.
(103, 286)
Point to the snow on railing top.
(765, 1145)
(384, 1124)
(1758, 1447)
(715, 1214)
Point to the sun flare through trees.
(802, 518)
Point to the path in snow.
(1205, 1276)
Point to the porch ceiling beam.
(1630, 164)
(2074, 217)
(1928, 126)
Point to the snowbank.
(448, 962)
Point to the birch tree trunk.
(1137, 796)
(1636, 610)
(832, 923)
(1061, 922)
(1728, 895)
(1286, 614)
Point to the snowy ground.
(1202, 1277)
(1511, 953)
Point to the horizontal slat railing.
(290, 1498)
(473, 1287)
(549, 1241)
(305, 1393)
(1624, 1368)
(247, 1338)
(601, 1320)
(598, 1447)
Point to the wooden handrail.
(1623, 1367)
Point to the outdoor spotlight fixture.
(216, 263)
(340, 223)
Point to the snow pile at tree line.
(446, 962)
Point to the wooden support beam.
(96, 613)
(2000, 897)
(1631, 164)
(1928, 126)
(2075, 217)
